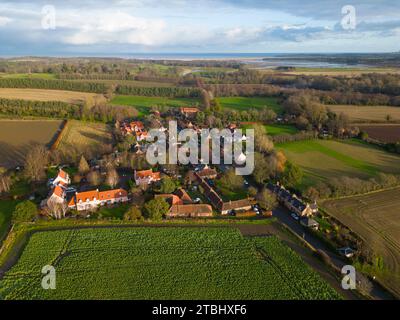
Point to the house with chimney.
(62, 179)
(91, 200)
(223, 207)
(182, 206)
(146, 177)
(292, 201)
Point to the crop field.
(162, 263)
(367, 113)
(384, 133)
(84, 136)
(376, 218)
(325, 159)
(28, 75)
(246, 103)
(143, 104)
(17, 137)
(46, 95)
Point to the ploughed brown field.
(367, 113)
(376, 219)
(18, 137)
(384, 133)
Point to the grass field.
(246, 103)
(17, 137)
(162, 263)
(376, 218)
(325, 159)
(84, 136)
(367, 113)
(6, 209)
(143, 104)
(46, 95)
(278, 129)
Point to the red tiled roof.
(184, 196)
(58, 191)
(189, 110)
(170, 198)
(95, 194)
(62, 174)
(191, 210)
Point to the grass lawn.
(162, 263)
(246, 103)
(143, 104)
(326, 159)
(6, 209)
(229, 195)
(113, 212)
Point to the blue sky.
(115, 27)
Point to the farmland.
(325, 159)
(46, 95)
(384, 133)
(246, 103)
(162, 263)
(376, 218)
(367, 113)
(17, 137)
(28, 75)
(278, 129)
(84, 137)
(143, 104)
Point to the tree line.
(54, 85)
(172, 92)
(63, 110)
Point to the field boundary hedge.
(59, 135)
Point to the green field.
(325, 159)
(162, 263)
(28, 75)
(143, 104)
(278, 129)
(6, 209)
(246, 103)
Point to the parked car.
(346, 252)
(197, 200)
(295, 216)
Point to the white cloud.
(4, 21)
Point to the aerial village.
(185, 191)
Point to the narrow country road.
(284, 217)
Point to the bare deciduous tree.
(35, 163)
(56, 209)
(112, 178)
